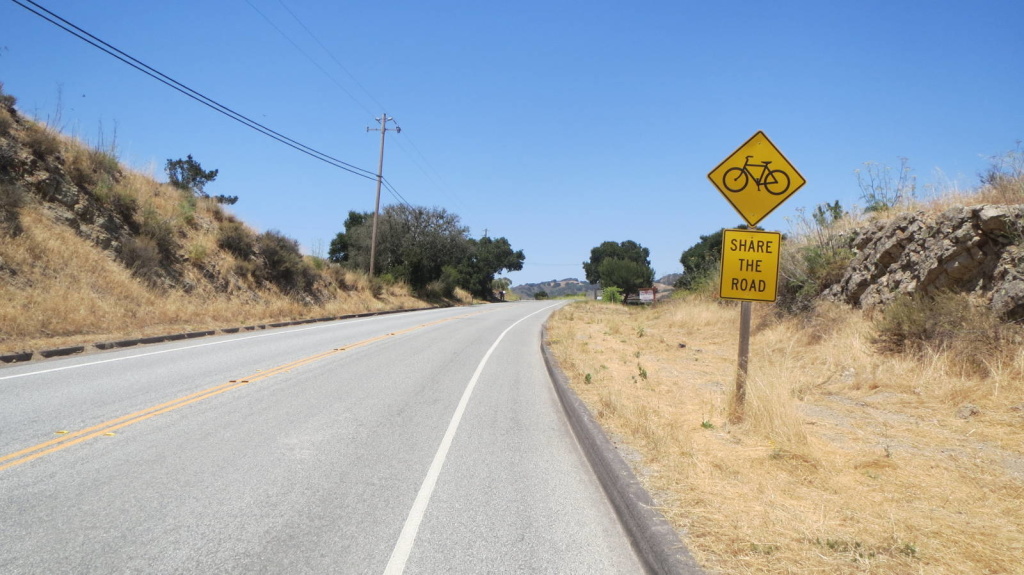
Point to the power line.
(336, 61)
(390, 187)
(432, 175)
(195, 95)
(394, 192)
(308, 57)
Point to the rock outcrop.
(977, 250)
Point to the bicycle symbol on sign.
(775, 182)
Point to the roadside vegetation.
(91, 250)
(884, 441)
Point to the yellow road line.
(73, 438)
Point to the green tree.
(420, 246)
(338, 252)
(488, 257)
(187, 174)
(414, 244)
(627, 275)
(699, 260)
(627, 250)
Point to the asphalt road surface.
(423, 442)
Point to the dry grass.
(60, 290)
(848, 461)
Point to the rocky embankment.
(977, 250)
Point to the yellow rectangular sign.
(750, 265)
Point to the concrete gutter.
(106, 345)
(653, 538)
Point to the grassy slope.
(849, 460)
(58, 288)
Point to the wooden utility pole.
(383, 119)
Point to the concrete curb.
(24, 356)
(653, 538)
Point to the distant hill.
(573, 286)
(555, 288)
(668, 280)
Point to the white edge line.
(403, 547)
(282, 332)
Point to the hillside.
(93, 250)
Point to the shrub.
(160, 230)
(197, 254)
(282, 264)
(540, 295)
(611, 295)
(87, 167)
(6, 121)
(8, 157)
(121, 200)
(7, 103)
(951, 323)
(237, 239)
(816, 260)
(434, 291)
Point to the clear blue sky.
(558, 125)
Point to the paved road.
(425, 442)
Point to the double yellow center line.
(108, 427)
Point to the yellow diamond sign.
(756, 178)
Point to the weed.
(880, 191)
(6, 100)
(1004, 179)
(588, 379)
(141, 256)
(707, 424)
(642, 372)
(12, 199)
(640, 331)
(187, 210)
(197, 253)
(763, 548)
(44, 143)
